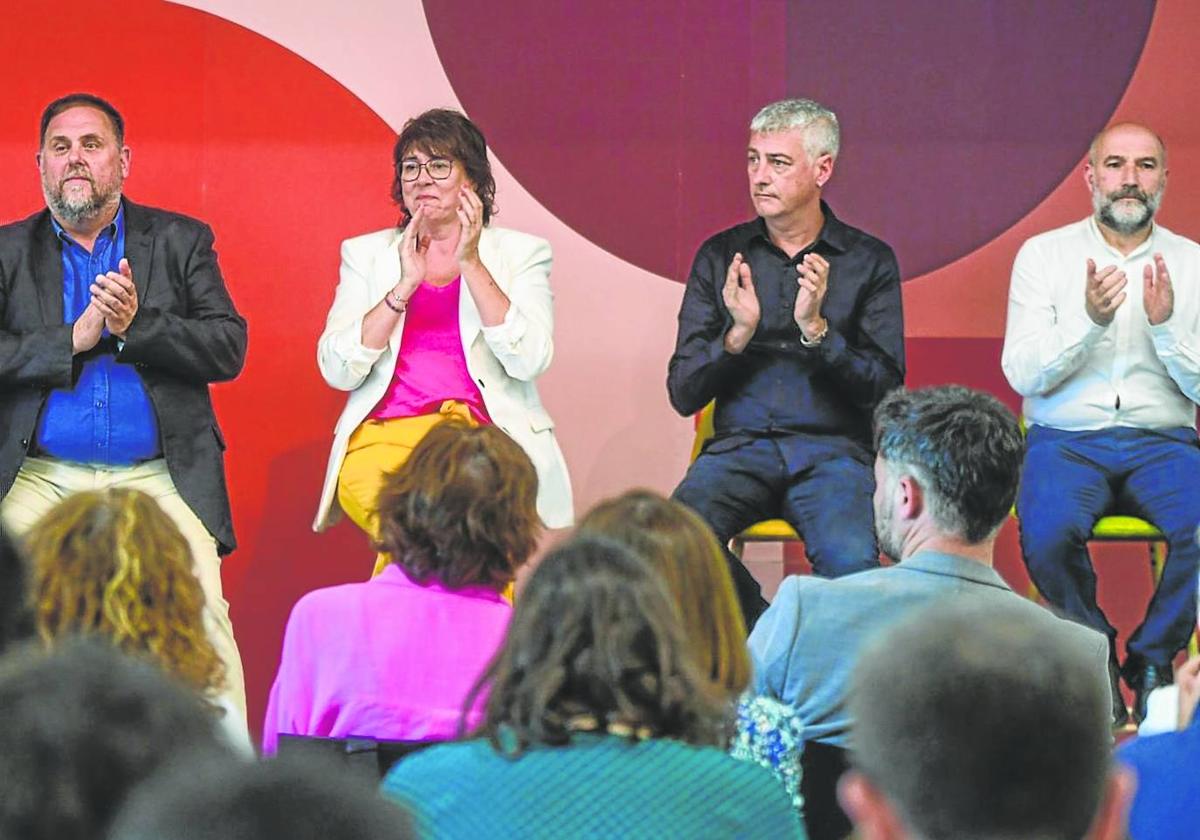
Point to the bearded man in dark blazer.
(114, 318)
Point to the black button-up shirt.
(777, 386)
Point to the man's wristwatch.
(816, 339)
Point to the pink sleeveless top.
(431, 367)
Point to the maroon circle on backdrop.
(628, 119)
(283, 163)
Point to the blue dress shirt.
(107, 417)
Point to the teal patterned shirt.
(599, 786)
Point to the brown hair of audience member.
(683, 549)
(596, 644)
(462, 510)
(442, 132)
(111, 563)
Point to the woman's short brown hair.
(113, 564)
(595, 643)
(446, 133)
(683, 549)
(462, 510)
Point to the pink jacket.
(386, 659)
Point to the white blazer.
(504, 360)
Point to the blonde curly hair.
(111, 563)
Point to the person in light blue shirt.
(946, 472)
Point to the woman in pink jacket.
(393, 658)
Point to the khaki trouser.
(42, 483)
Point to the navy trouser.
(826, 498)
(1070, 480)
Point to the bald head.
(1126, 131)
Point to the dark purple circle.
(628, 119)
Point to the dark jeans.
(821, 767)
(827, 501)
(1071, 479)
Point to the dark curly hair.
(450, 134)
(462, 510)
(596, 643)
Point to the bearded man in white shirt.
(1103, 342)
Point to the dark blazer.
(185, 335)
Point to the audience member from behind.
(684, 551)
(970, 723)
(16, 622)
(82, 726)
(220, 800)
(113, 564)
(394, 657)
(682, 548)
(1168, 786)
(946, 472)
(598, 723)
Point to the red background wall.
(623, 133)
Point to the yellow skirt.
(379, 447)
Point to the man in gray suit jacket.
(947, 464)
(114, 318)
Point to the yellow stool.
(769, 530)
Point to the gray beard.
(1125, 222)
(888, 544)
(74, 212)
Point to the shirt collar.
(834, 233)
(1094, 229)
(951, 565)
(114, 229)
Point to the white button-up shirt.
(1077, 375)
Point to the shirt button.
(99, 403)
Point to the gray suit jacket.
(806, 644)
(185, 335)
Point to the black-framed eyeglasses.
(439, 169)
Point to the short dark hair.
(81, 727)
(963, 446)
(214, 799)
(89, 100)
(975, 723)
(448, 133)
(16, 612)
(462, 510)
(595, 636)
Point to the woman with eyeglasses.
(440, 316)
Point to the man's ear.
(1112, 817)
(910, 500)
(824, 167)
(868, 809)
